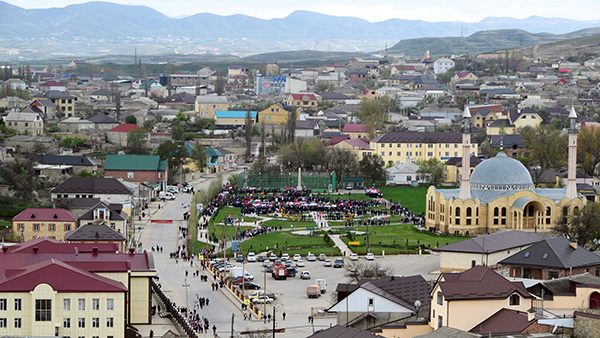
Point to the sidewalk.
(340, 244)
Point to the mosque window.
(503, 219)
(468, 216)
(496, 216)
(457, 216)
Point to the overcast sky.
(374, 10)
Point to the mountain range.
(101, 28)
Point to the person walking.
(283, 315)
(214, 330)
(151, 334)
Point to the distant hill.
(301, 55)
(104, 28)
(484, 41)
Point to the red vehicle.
(279, 271)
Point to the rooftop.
(553, 253)
(495, 242)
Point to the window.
(110, 304)
(383, 145)
(110, 322)
(81, 304)
(18, 323)
(440, 321)
(469, 213)
(496, 216)
(130, 174)
(67, 304)
(552, 274)
(514, 300)
(81, 322)
(440, 298)
(430, 153)
(67, 227)
(371, 302)
(18, 304)
(2, 323)
(457, 216)
(95, 304)
(503, 219)
(67, 322)
(95, 322)
(43, 310)
(526, 272)
(3, 304)
(473, 263)
(36, 227)
(21, 227)
(51, 227)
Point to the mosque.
(500, 195)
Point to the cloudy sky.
(374, 10)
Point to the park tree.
(588, 150)
(323, 87)
(130, 119)
(136, 142)
(249, 123)
(174, 153)
(290, 127)
(219, 85)
(342, 161)
(20, 177)
(198, 156)
(547, 149)
(583, 226)
(433, 169)
(177, 133)
(371, 167)
(290, 155)
(313, 154)
(371, 111)
(180, 118)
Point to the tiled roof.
(355, 128)
(52, 246)
(337, 139)
(503, 322)
(125, 128)
(52, 84)
(55, 94)
(360, 143)
(553, 253)
(333, 96)
(419, 137)
(498, 241)
(134, 163)
(339, 331)
(94, 232)
(92, 185)
(22, 116)
(479, 282)
(61, 276)
(65, 159)
(115, 211)
(44, 215)
(305, 124)
(336, 65)
(448, 332)
(101, 118)
(301, 96)
(457, 161)
(405, 290)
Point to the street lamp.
(186, 285)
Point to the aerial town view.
(318, 169)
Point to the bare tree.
(357, 270)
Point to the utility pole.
(186, 285)
(367, 236)
(232, 335)
(273, 321)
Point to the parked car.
(269, 268)
(251, 257)
(304, 275)
(239, 258)
(262, 300)
(249, 285)
(353, 257)
(173, 189)
(313, 291)
(327, 262)
(266, 263)
(311, 257)
(165, 195)
(338, 263)
(300, 263)
(273, 257)
(255, 294)
(297, 257)
(260, 258)
(370, 256)
(322, 257)
(285, 257)
(288, 264)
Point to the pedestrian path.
(344, 249)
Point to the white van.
(173, 189)
(165, 195)
(322, 285)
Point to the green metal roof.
(135, 163)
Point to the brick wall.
(138, 176)
(586, 325)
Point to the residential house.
(25, 122)
(97, 233)
(552, 258)
(269, 85)
(276, 113)
(462, 76)
(15, 84)
(401, 147)
(335, 68)
(302, 100)
(102, 94)
(307, 129)
(442, 65)
(108, 189)
(65, 103)
(360, 147)
(513, 145)
(336, 97)
(454, 166)
(482, 117)
(566, 294)
(510, 322)
(356, 130)
(102, 121)
(485, 250)
(103, 213)
(343, 331)
(181, 79)
(236, 118)
(206, 106)
(422, 82)
(391, 300)
(357, 75)
(463, 300)
(74, 124)
(47, 108)
(404, 174)
(237, 70)
(12, 103)
(526, 117)
(137, 168)
(27, 143)
(52, 85)
(34, 223)
(119, 134)
(57, 171)
(369, 94)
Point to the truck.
(240, 272)
(313, 291)
(322, 284)
(279, 271)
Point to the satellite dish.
(417, 303)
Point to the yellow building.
(409, 146)
(463, 300)
(206, 106)
(277, 113)
(65, 103)
(359, 147)
(52, 223)
(356, 131)
(25, 122)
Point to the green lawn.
(409, 197)
(289, 243)
(394, 239)
(286, 223)
(234, 212)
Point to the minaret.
(572, 169)
(465, 183)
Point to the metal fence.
(317, 182)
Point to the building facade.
(35, 223)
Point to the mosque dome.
(501, 173)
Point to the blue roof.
(233, 114)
